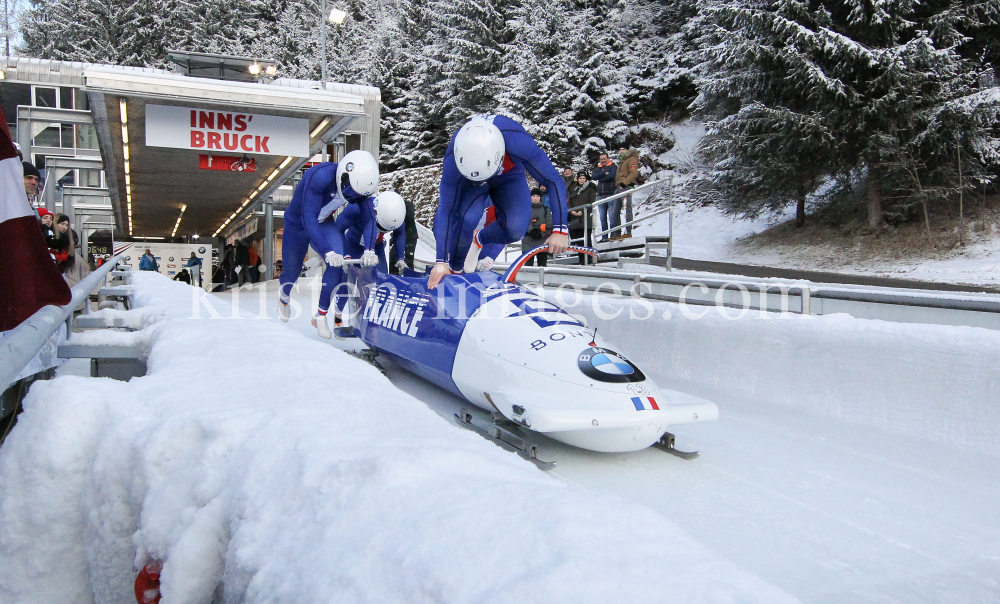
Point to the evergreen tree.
(847, 91)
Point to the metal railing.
(590, 209)
(20, 345)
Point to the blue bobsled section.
(418, 328)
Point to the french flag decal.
(644, 402)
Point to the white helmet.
(361, 170)
(390, 211)
(479, 149)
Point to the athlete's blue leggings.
(512, 200)
(295, 244)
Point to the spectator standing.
(539, 229)
(604, 175)
(45, 222)
(626, 178)
(545, 195)
(569, 177)
(194, 263)
(580, 194)
(32, 178)
(148, 262)
(252, 269)
(241, 260)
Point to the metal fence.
(20, 345)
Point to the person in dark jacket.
(45, 222)
(539, 229)
(581, 193)
(184, 276)
(32, 178)
(604, 175)
(410, 225)
(148, 262)
(64, 245)
(241, 262)
(569, 177)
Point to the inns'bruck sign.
(186, 128)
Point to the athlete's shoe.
(338, 321)
(319, 322)
(284, 311)
(484, 265)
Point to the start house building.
(204, 150)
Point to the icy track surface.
(854, 462)
(291, 472)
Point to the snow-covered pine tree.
(115, 31)
(472, 43)
(771, 144)
(535, 90)
(856, 86)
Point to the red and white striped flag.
(29, 278)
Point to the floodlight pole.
(322, 37)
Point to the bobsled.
(507, 350)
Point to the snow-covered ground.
(855, 461)
(705, 233)
(288, 471)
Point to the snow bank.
(291, 472)
(934, 382)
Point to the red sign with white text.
(187, 128)
(227, 163)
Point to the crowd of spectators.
(63, 243)
(583, 190)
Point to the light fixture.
(273, 174)
(144, 237)
(254, 69)
(337, 16)
(178, 223)
(318, 129)
(270, 70)
(287, 161)
(3, 76)
(123, 109)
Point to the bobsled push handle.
(511, 275)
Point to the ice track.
(819, 477)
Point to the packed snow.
(286, 471)
(854, 461)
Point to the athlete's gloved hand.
(401, 266)
(334, 259)
(369, 258)
(484, 264)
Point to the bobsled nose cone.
(647, 435)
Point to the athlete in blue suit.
(390, 210)
(323, 190)
(486, 162)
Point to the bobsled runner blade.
(666, 443)
(369, 356)
(344, 333)
(505, 437)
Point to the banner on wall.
(171, 257)
(198, 129)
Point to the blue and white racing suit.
(317, 193)
(463, 201)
